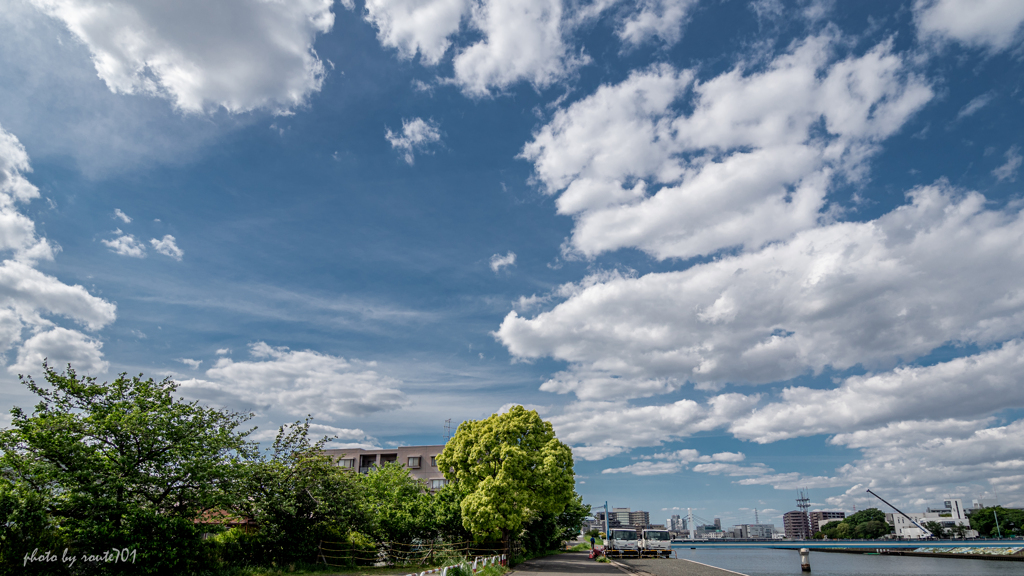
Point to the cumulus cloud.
(672, 462)
(906, 458)
(750, 162)
(991, 24)
(122, 216)
(864, 402)
(300, 383)
(597, 430)
(345, 437)
(34, 300)
(417, 135)
(498, 261)
(940, 269)
(237, 55)
(1008, 171)
(413, 26)
(168, 247)
(125, 245)
(661, 19)
(519, 40)
(60, 347)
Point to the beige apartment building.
(421, 461)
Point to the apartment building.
(421, 461)
(796, 525)
(821, 517)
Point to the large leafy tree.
(511, 468)
(121, 464)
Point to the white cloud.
(976, 103)
(646, 468)
(498, 261)
(414, 26)
(31, 299)
(60, 346)
(940, 269)
(223, 351)
(125, 245)
(992, 24)
(167, 247)
(519, 40)
(234, 54)
(124, 217)
(417, 135)
(194, 364)
(908, 459)
(863, 402)
(751, 163)
(346, 437)
(597, 430)
(300, 383)
(1008, 171)
(672, 462)
(662, 19)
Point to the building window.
(437, 484)
(347, 462)
(433, 461)
(414, 461)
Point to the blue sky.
(730, 249)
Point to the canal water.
(767, 562)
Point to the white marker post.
(805, 560)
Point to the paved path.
(579, 563)
(568, 563)
(673, 567)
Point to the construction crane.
(923, 529)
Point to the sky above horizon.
(731, 249)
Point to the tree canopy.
(863, 525)
(511, 468)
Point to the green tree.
(398, 504)
(936, 528)
(865, 524)
(122, 464)
(447, 512)
(511, 468)
(1011, 521)
(298, 497)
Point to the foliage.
(863, 525)
(399, 506)
(603, 559)
(119, 464)
(298, 497)
(447, 513)
(1011, 521)
(581, 547)
(548, 531)
(593, 533)
(511, 469)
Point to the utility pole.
(606, 536)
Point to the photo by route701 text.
(113, 555)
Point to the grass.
(322, 570)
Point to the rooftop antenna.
(447, 430)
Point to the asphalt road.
(568, 563)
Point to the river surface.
(767, 562)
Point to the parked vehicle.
(656, 543)
(622, 542)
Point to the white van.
(656, 542)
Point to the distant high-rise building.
(640, 518)
(676, 524)
(796, 525)
(821, 517)
(621, 515)
(718, 523)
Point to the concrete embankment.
(1016, 556)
